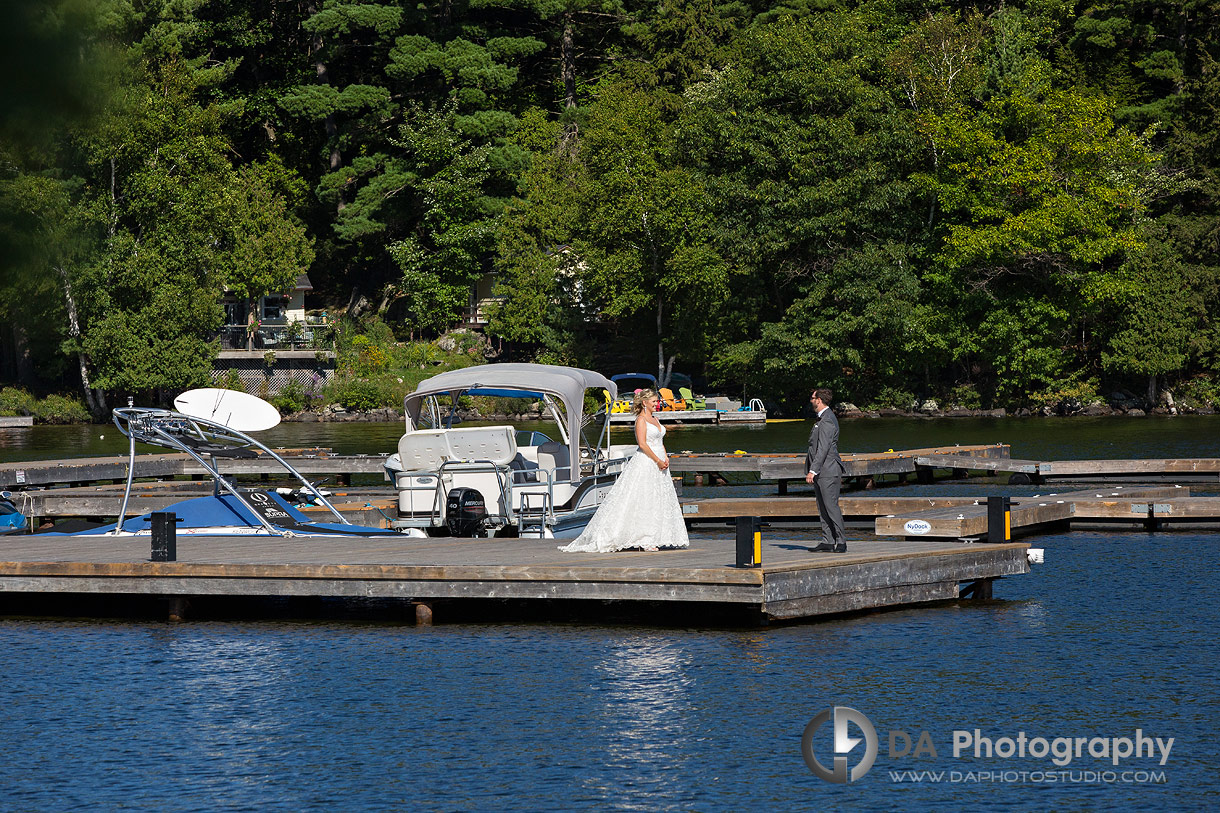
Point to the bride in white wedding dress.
(641, 510)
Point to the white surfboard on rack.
(233, 408)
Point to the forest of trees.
(1005, 204)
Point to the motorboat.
(211, 425)
(460, 480)
(628, 383)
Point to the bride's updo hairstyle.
(641, 397)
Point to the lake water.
(1116, 632)
(1033, 438)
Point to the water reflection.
(231, 705)
(646, 717)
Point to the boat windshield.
(527, 437)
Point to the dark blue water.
(1117, 631)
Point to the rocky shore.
(1118, 404)
(337, 414)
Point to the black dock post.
(749, 541)
(164, 536)
(999, 521)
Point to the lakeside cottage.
(275, 320)
(272, 343)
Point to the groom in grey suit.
(824, 470)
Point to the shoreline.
(390, 415)
(1091, 411)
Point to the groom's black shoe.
(841, 547)
(825, 547)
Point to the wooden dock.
(671, 416)
(869, 466)
(1039, 471)
(865, 467)
(357, 504)
(696, 416)
(950, 517)
(438, 573)
(966, 517)
(959, 461)
(312, 463)
(40, 491)
(315, 463)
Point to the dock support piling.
(423, 614)
(979, 590)
(177, 609)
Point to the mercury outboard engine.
(465, 512)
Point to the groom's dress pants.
(826, 489)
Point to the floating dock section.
(922, 464)
(791, 583)
(966, 518)
(697, 416)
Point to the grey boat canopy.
(516, 381)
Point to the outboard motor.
(465, 512)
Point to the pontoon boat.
(496, 480)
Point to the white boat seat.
(495, 443)
(424, 450)
(427, 449)
(555, 455)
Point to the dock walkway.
(82, 470)
(792, 583)
(966, 517)
(782, 467)
(316, 462)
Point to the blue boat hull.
(226, 515)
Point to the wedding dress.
(640, 511)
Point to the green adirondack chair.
(691, 401)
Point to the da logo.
(844, 744)
(917, 526)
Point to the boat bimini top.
(541, 381)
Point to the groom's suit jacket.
(823, 455)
